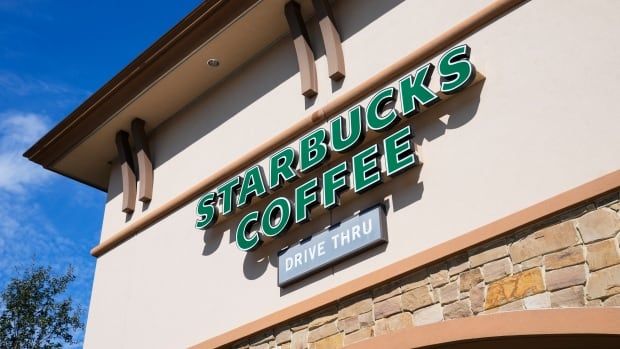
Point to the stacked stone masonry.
(570, 260)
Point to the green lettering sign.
(226, 191)
(334, 182)
(414, 91)
(366, 172)
(305, 198)
(312, 150)
(341, 142)
(206, 211)
(347, 131)
(281, 206)
(245, 242)
(374, 118)
(398, 153)
(456, 70)
(253, 185)
(282, 167)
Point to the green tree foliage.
(34, 312)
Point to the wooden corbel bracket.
(145, 165)
(331, 39)
(127, 171)
(305, 55)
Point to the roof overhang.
(158, 83)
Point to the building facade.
(360, 174)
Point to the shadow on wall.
(460, 109)
(396, 194)
(269, 69)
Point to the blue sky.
(53, 55)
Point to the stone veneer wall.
(570, 260)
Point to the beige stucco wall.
(542, 122)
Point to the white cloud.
(28, 229)
(25, 233)
(18, 131)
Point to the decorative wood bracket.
(305, 55)
(127, 171)
(145, 165)
(331, 39)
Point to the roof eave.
(207, 19)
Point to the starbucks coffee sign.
(344, 133)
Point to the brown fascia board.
(202, 23)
